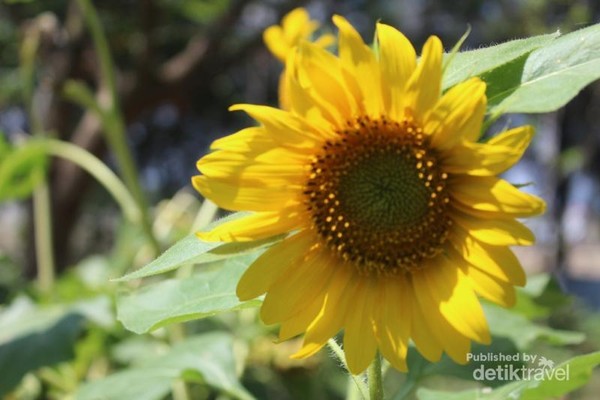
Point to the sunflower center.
(378, 197)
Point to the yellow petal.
(304, 279)
(424, 86)
(319, 73)
(249, 139)
(273, 38)
(359, 339)
(274, 166)
(498, 261)
(421, 334)
(305, 104)
(329, 321)
(453, 343)
(295, 26)
(393, 327)
(300, 322)
(450, 289)
(325, 40)
(491, 158)
(516, 138)
(284, 127)
(397, 60)
(251, 196)
(257, 226)
(458, 115)
(498, 232)
(267, 268)
(358, 58)
(478, 159)
(495, 196)
(490, 288)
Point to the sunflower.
(281, 40)
(295, 27)
(395, 219)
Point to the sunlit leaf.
(207, 293)
(579, 373)
(430, 394)
(206, 359)
(191, 250)
(477, 62)
(551, 75)
(576, 373)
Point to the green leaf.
(430, 394)
(580, 371)
(31, 338)
(202, 295)
(39, 349)
(419, 368)
(552, 75)
(187, 251)
(467, 64)
(191, 250)
(204, 359)
(522, 331)
(536, 284)
(21, 170)
(576, 373)
(528, 297)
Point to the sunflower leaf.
(574, 373)
(32, 337)
(551, 75)
(191, 250)
(209, 292)
(206, 359)
(522, 331)
(471, 63)
(580, 371)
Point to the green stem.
(113, 120)
(43, 237)
(42, 214)
(98, 170)
(339, 353)
(375, 379)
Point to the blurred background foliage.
(178, 66)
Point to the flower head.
(283, 39)
(395, 218)
(295, 27)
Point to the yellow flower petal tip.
(395, 220)
(207, 237)
(296, 26)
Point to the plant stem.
(375, 379)
(113, 120)
(98, 170)
(42, 214)
(43, 237)
(339, 353)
